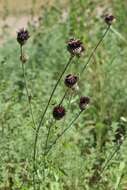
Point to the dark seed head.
(75, 47)
(59, 112)
(22, 36)
(70, 80)
(84, 101)
(109, 19)
(120, 134)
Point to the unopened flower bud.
(70, 80)
(75, 47)
(84, 101)
(22, 36)
(24, 58)
(59, 112)
(109, 19)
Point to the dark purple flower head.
(22, 36)
(70, 80)
(120, 134)
(84, 101)
(75, 47)
(109, 19)
(59, 112)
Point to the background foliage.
(75, 159)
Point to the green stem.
(27, 91)
(45, 147)
(94, 50)
(62, 133)
(47, 138)
(108, 160)
(46, 108)
(28, 96)
(63, 97)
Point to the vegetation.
(92, 153)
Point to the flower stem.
(27, 91)
(62, 133)
(48, 134)
(46, 108)
(28, 96)
(94, 50)
(63, 97)
(108, 160)
(45, 147)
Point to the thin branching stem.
(68, 106)
(64, 96)
(94, 50)
(49, 130)
(53, 122)
(69, 102)
(28, 96)
(108, 160)
(46, 108)
(63, 132)
(27, 91)
(48, 134)
(46, 145)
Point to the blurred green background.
(74, 161)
